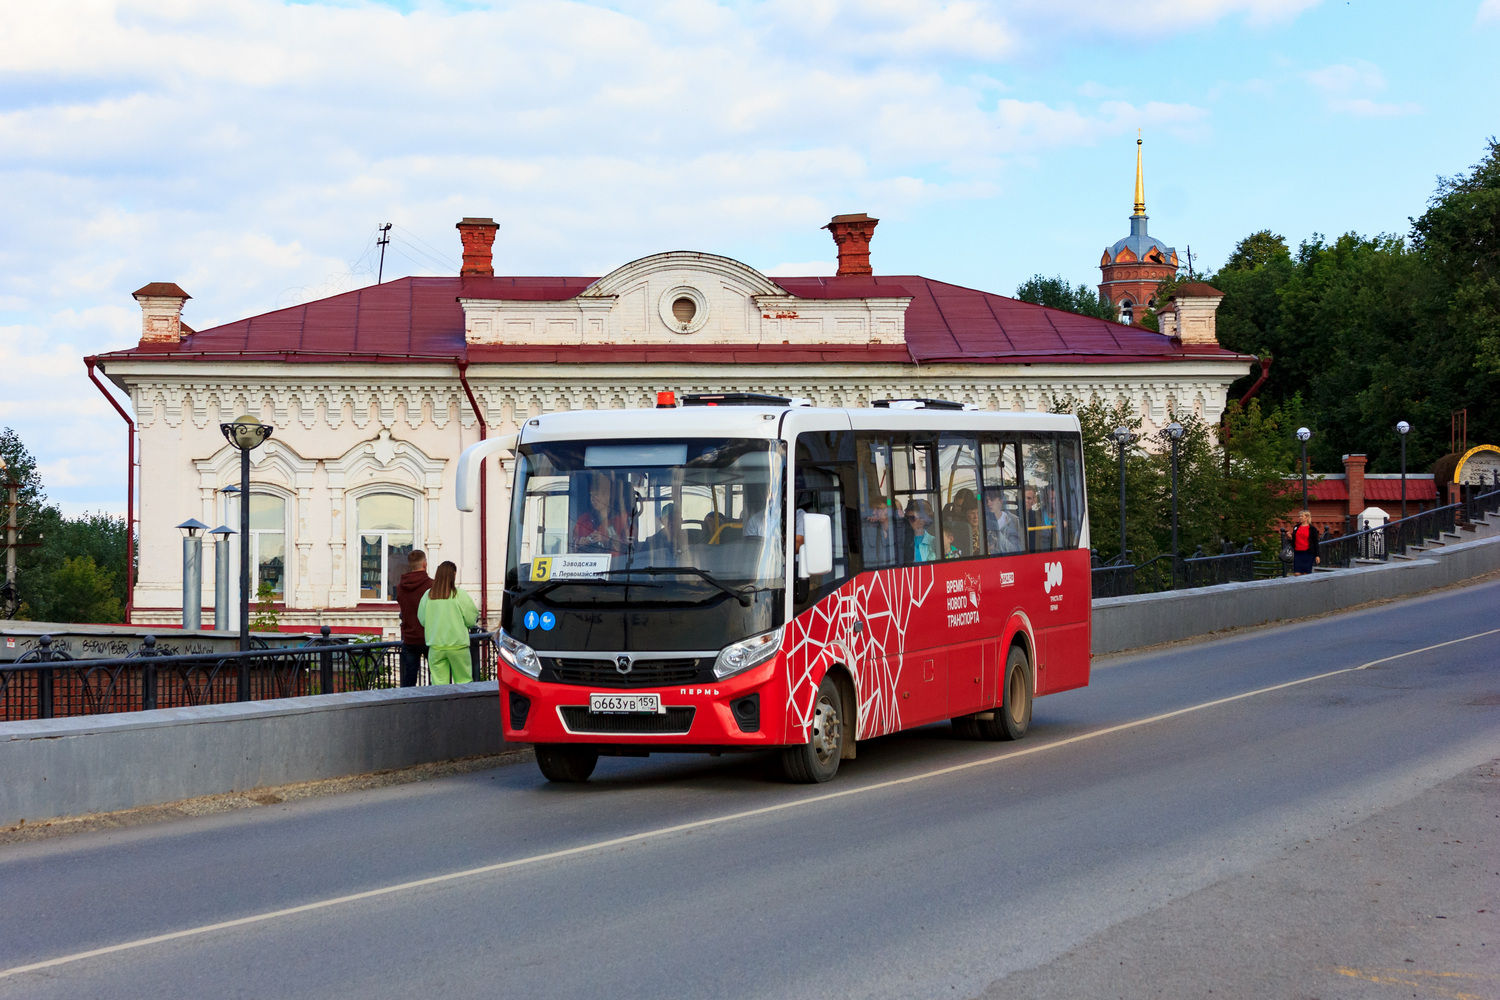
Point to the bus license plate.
(626, 704)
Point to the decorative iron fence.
(47, 684)
(1394, 537)
(1168, 572)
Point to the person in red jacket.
(409, 590)
(1304, 546)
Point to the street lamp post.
(245, 433)
(1174, 434)
(1302, 435)
(1122, 438)
(1403, 428)
(192, 573)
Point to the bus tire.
(1013, 717)
(566, 762)
(817, 760)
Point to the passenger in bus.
(602, 527)
(966, 507)
(668, 537)
(1004, 529)
(887, 536)
(924, 546)
(951, 526)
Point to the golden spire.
(1140, 182)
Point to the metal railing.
(48, 684)
(1119, 578)
(1394, 538)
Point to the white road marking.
(600, 845)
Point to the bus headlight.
(749, 653)
(518, 654)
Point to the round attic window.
(684, 309)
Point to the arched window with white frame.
(386, 527)
(1127, 312)
(268, 542)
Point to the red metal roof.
(1328, 489)
(1390, 490)
(420, 318)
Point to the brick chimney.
(1354, 472)
(1191, 313)
(852, 234)
(161, 312)
(478, 236)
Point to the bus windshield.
(671, 519)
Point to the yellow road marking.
(1382, 977)
(665, 831)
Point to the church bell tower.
(1137, 264)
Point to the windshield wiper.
(538, 589)
(743, 595)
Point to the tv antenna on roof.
(385, 237)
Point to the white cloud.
(1489, 10)
(1346, 89)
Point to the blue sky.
(247, 149)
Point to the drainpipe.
(1265, 373)
(484, 518)
(129, 489)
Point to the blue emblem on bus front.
(531, 619)
(548, 620)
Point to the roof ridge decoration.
(628, 275)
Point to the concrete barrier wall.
(97, 763)
(1122, 623)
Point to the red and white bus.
(739, 573)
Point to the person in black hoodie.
(409, 590)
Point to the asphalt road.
(1296, 829)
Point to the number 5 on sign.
(541, 569)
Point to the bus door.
(963, 628)
(899, 501)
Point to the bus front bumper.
(741, 712)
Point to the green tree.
(49, 590)
(265, 619)
(80, 591)
(1368, 331)
(1056, 293)
(1258, 250)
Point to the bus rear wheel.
(566, 762)
(1011, 720)
(817, 760)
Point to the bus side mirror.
(816, 556)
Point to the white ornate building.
(370, 394)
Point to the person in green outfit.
(447, 613)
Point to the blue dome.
(1142, 243)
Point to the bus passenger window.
(958, 472)
(1002, 498)
(1070, 472)
(884, 537)
(1040, 494)
(914, 470)
(820, 490)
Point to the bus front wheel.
(1013, 717)
(564, 762)
(818, 759)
